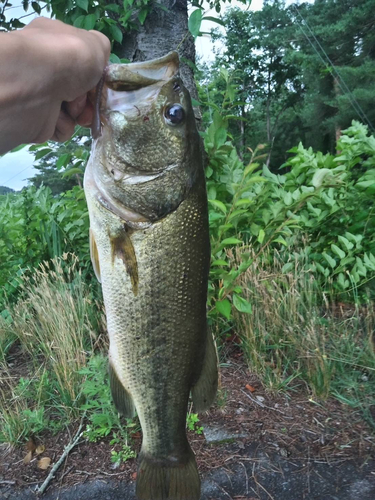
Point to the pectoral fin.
(122, 248)
(94, 256)
(121, 397)
(204, 391)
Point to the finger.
(87, 115)
(64, 127)
(105, 43)
(75, 108)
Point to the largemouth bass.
(149, 243)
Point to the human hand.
(78, 58)
(46, 71)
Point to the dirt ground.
(262, 446)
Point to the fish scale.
(154, 274)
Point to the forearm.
(24, 91)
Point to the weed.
(192, 423)
(123, 455)
(55, 323)
(291, 336)
(100, 411)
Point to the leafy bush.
(324, 200)
(35, 227)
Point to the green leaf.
(220, 137)
(329, 259)
(361, 269)
(230, 241)
(250, 168)
(63, 160)
(72, 171)
(114, 59)
(318, 177)
(18, 148)
(83, 4)
(224, 307)
(288, 267)
(365, 184)
(261, 236)
(281, 240)
(342, 281)
(241, 304)
(340, 253)
(214, 20)
(219, 262)
(42, 152)
(237, 213)
(89, 22)
(218, 204)
(142, 14)
(78, 23)
(36, 7)
(242, 202)
(195, 21)
(211, 193)
(288, 199)
(116, 33)
(112, 7)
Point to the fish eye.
(174, 114)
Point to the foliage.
(109, 18)
(61, 166)
(101, 414)
(5, 190)
(192, 423)
(303, 73)
(327, 198)
(295, 334)
(103, 419)
(36, 226)
(54, 326)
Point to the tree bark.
(162, 32)
(241, 142)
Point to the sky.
(16, 168)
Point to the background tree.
(6, 190)
(301, 73)
(336, 46)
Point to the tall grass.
(295, 334)
(55, 323)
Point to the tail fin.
(167, 479)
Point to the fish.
(150, 250)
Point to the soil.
(281, 447)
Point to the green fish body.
(150, 250)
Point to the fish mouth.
(109, 203)
(134, 76)
(123, 86)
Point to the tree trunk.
(336, 89)
(241, 142)
(162, 32)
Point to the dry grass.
(296, 334)
(55, 324)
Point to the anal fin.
(121, 397)
(204, 391)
